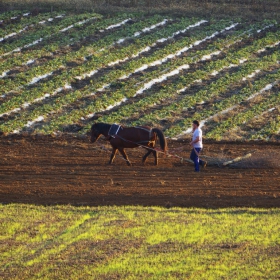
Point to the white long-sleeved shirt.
(197, 133)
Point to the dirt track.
(51, 171)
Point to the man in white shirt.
(196, 143)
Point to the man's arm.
(195, 140)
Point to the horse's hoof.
(129, 163)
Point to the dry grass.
(218, 8)
(259, 160)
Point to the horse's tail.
(162, 139)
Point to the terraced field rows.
(59, 72)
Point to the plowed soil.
(73, 171)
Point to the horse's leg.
(125, 156)
(145, 156)
(155, 153)
(113, 155)
(156, 157)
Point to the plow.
(214, 161)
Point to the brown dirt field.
(49, 170)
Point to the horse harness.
(113, 131)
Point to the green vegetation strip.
(56, 42)
(65, 242)
(272, 127)
(27, 21)
(221, 105)
(128, 88)
(244, 116)
(43, 31)
(69, 76)
(8, 15)
(170, 91)
(86, 51)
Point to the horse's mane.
(101, 126)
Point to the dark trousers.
(196, 159)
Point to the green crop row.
(215, 89)
(6, 16)
(101, 104)
(270, 128)
(32, 22)
(68, 76)
(242, 117)
(45, 31)
(139, 62)
(105, 100)
(170, 92)
(61, 61)
(56, 42)
(225, 103)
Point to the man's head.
(195, 125)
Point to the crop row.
(61, 62)
(168, 91)
(57, 42)
(25, 23)
(106, 102)
(270, 128)
(44, 31)
(183, 82)
(62, 101)
(7, 16)
(70, 98)
(48, 69)
(68, 76)
(32, 56)
(220, 106)
(189, 101)
(178, 63)
(215, 89)
(257, 124)
(66, 99)
(242, 117)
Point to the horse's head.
(94, 133)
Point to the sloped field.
(59, 72)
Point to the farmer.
(196, 143)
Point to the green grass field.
(66, 242)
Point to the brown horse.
(130, 137)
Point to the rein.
(136, 143)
